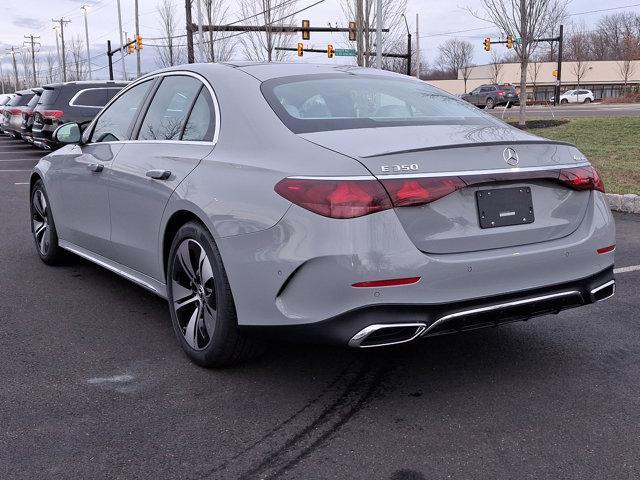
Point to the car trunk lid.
(485, 158)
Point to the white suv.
(576, 96)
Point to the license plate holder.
(503, 207)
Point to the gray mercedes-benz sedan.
(322, 204)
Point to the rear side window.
(49, 96)
(91, 97)
(313, 103)
(165, 119)
(114, 122)
(202, 121)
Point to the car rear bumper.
(383, 325)
(303, 270)
(42, 138)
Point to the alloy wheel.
(40, 222)
(193, 292)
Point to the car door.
(174, 134)
(80, 174)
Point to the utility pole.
(417, 47)
(190, 55)
(62, 22)
(379, 34)
(360, 28)
(138, 71)
(32, 42)
(556, 99)
(55, 28)
(122, 42)
(200, 36)
(1, 77)
(85, 10)
(12, 52)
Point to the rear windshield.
(21, 100)
(312, 103)
(49, 96)
(34, 101)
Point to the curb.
(628, 203)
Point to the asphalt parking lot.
(94, 385)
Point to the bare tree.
(170, 52)
(578, 51)
(261, 46)
(51, 66)
(77, 51)
(534, 72)
(393, 41)
(495, 67)
(527, 20)
(25, 61)
(456, 56)
(630, 51)
(221, 44)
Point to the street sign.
(345, 52)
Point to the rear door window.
(166, 117)
(91, 97)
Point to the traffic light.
(130, 46)
(300, 49)
(509, 41)
(330, 51)
(353, 31)
(487, 44)
(306, 34)
(139, 42)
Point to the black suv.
(69, 102)
(491, 96)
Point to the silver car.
(323, 204)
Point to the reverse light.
(394, 282)
(582, 178)
(420, 191)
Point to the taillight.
(500, 92)
(356, 198)
(335, 198)
(420, 191)
(582, 178)
(51, 114)
(15, 111)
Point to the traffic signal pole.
(110, 53)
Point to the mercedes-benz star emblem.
(510, 156)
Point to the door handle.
(95, 167)
(159, 174)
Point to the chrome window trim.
(75, 97)
(498, 306)
(203, 80)
(463, 173)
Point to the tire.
(491, 104)
(43, 228)
(564, 101)
(587, 100)
(203, 313)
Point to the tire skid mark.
(328, 389)
(357, 393)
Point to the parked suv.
(27, 116)
(576, 96)
(12, 117)
(69, 102)
(491, 96)
(4, 100)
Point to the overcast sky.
(439, 20)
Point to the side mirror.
(67, 133)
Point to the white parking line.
(21, 183)
(22, 160)
(26, 150)
(1, 170)
(632, 268)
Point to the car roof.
(89, 83)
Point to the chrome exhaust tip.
(383, 335)
(604, 291)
